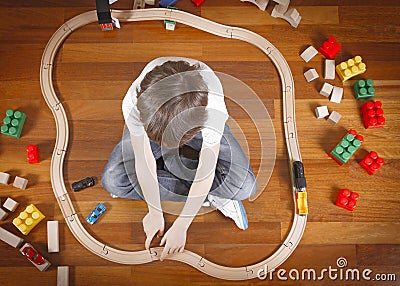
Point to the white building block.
(329, 69)
(321, 111)
(10, 204)
(334, 117)
(41, 267)
(20, 183)
(309, 53)
(10, 238)
(62, 275)
(311, 74)
(337, 94)
(291, 15)
(52, 236)
(326, 89)
(3, 214)
(4, 178)
(170, 25)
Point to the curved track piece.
(56, 171)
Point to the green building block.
(345, 149)
(364, 89)
(13, 123)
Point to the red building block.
(32, 154)
(347, 199)
(372, 162)
(330, 48)
(198, 2)
(106, 27)
(373, 114)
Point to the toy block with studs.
(364, 89)
(373, 114)
(311, 74)
(20, 183)
(32, 154)
(347, 199)
(372, 162)
(10, 204)
(13, 123)
(346, 147)
(309, 53)
(330, 48)
(28, 219)
(350, 68)
(4, 178)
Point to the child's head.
(171, 101)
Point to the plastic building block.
(373, 114)
(310, 75)
(4, 178)
(13, 123)
(364, 89)
(62, 276)
(10, 238)
(329, 69)
(372, 162)
(347, 199)
(321, 111)
(32, 154)
(337, 94)
(350, 68)
(52, 236)
(34, 257)
(326, 89)
(346, 147)
(20, 183)
(96, 213)
(28, 219)
(334, 117)
(10, 204)
(166, 3)
(139, 4)
(197, 2)
(82, 184)
(106, 27)
(3, 214)
(330, 48)
(309, 53)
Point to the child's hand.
(153, 223)
(174, 240)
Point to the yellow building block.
(350, 68)
(28, 219)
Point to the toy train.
(300, 184)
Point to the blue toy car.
(96, 213)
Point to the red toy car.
(33, 255)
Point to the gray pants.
(234, 178)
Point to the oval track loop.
(56, 169)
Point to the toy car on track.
(96, 213)
(33, 255)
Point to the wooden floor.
(92, 73)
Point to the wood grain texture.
(92, 73)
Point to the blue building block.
(166, 3)
(13, 123)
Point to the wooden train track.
(60, 149)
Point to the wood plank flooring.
(92, 73)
